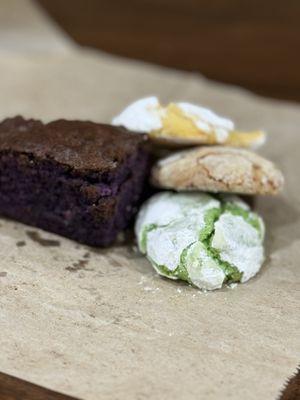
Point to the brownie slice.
(82, 180)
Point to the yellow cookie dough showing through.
(178, 125)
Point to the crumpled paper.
(97, 323)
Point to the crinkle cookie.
(218, 169)
(184, 124)
(201, 239)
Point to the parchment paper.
(100, 323)
(25, 28)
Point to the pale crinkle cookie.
(184, 124)
(200, 239)
(218, 169)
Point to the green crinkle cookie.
(201, 239)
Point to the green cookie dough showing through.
(201, 239)
(206, 235)
(143, 242)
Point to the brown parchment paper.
(100, 323)
(25, 28)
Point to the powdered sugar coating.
(165, 244)
(143, 115)
(203, 270)
(239, 243)
(207, 120)
(166, 207)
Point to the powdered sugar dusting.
(239, 243)
(144, 115)
(207, 120)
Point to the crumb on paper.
(150, 289)
(21, 243)
(232, 285)
(135, 249)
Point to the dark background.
(251, 43)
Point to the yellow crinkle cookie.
(184, 124)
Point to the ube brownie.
(79, 179)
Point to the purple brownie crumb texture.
(78, 179)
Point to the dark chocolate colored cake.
(79, 179)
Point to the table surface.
(12, 388)
(253, 44)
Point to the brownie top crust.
(81, 145)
